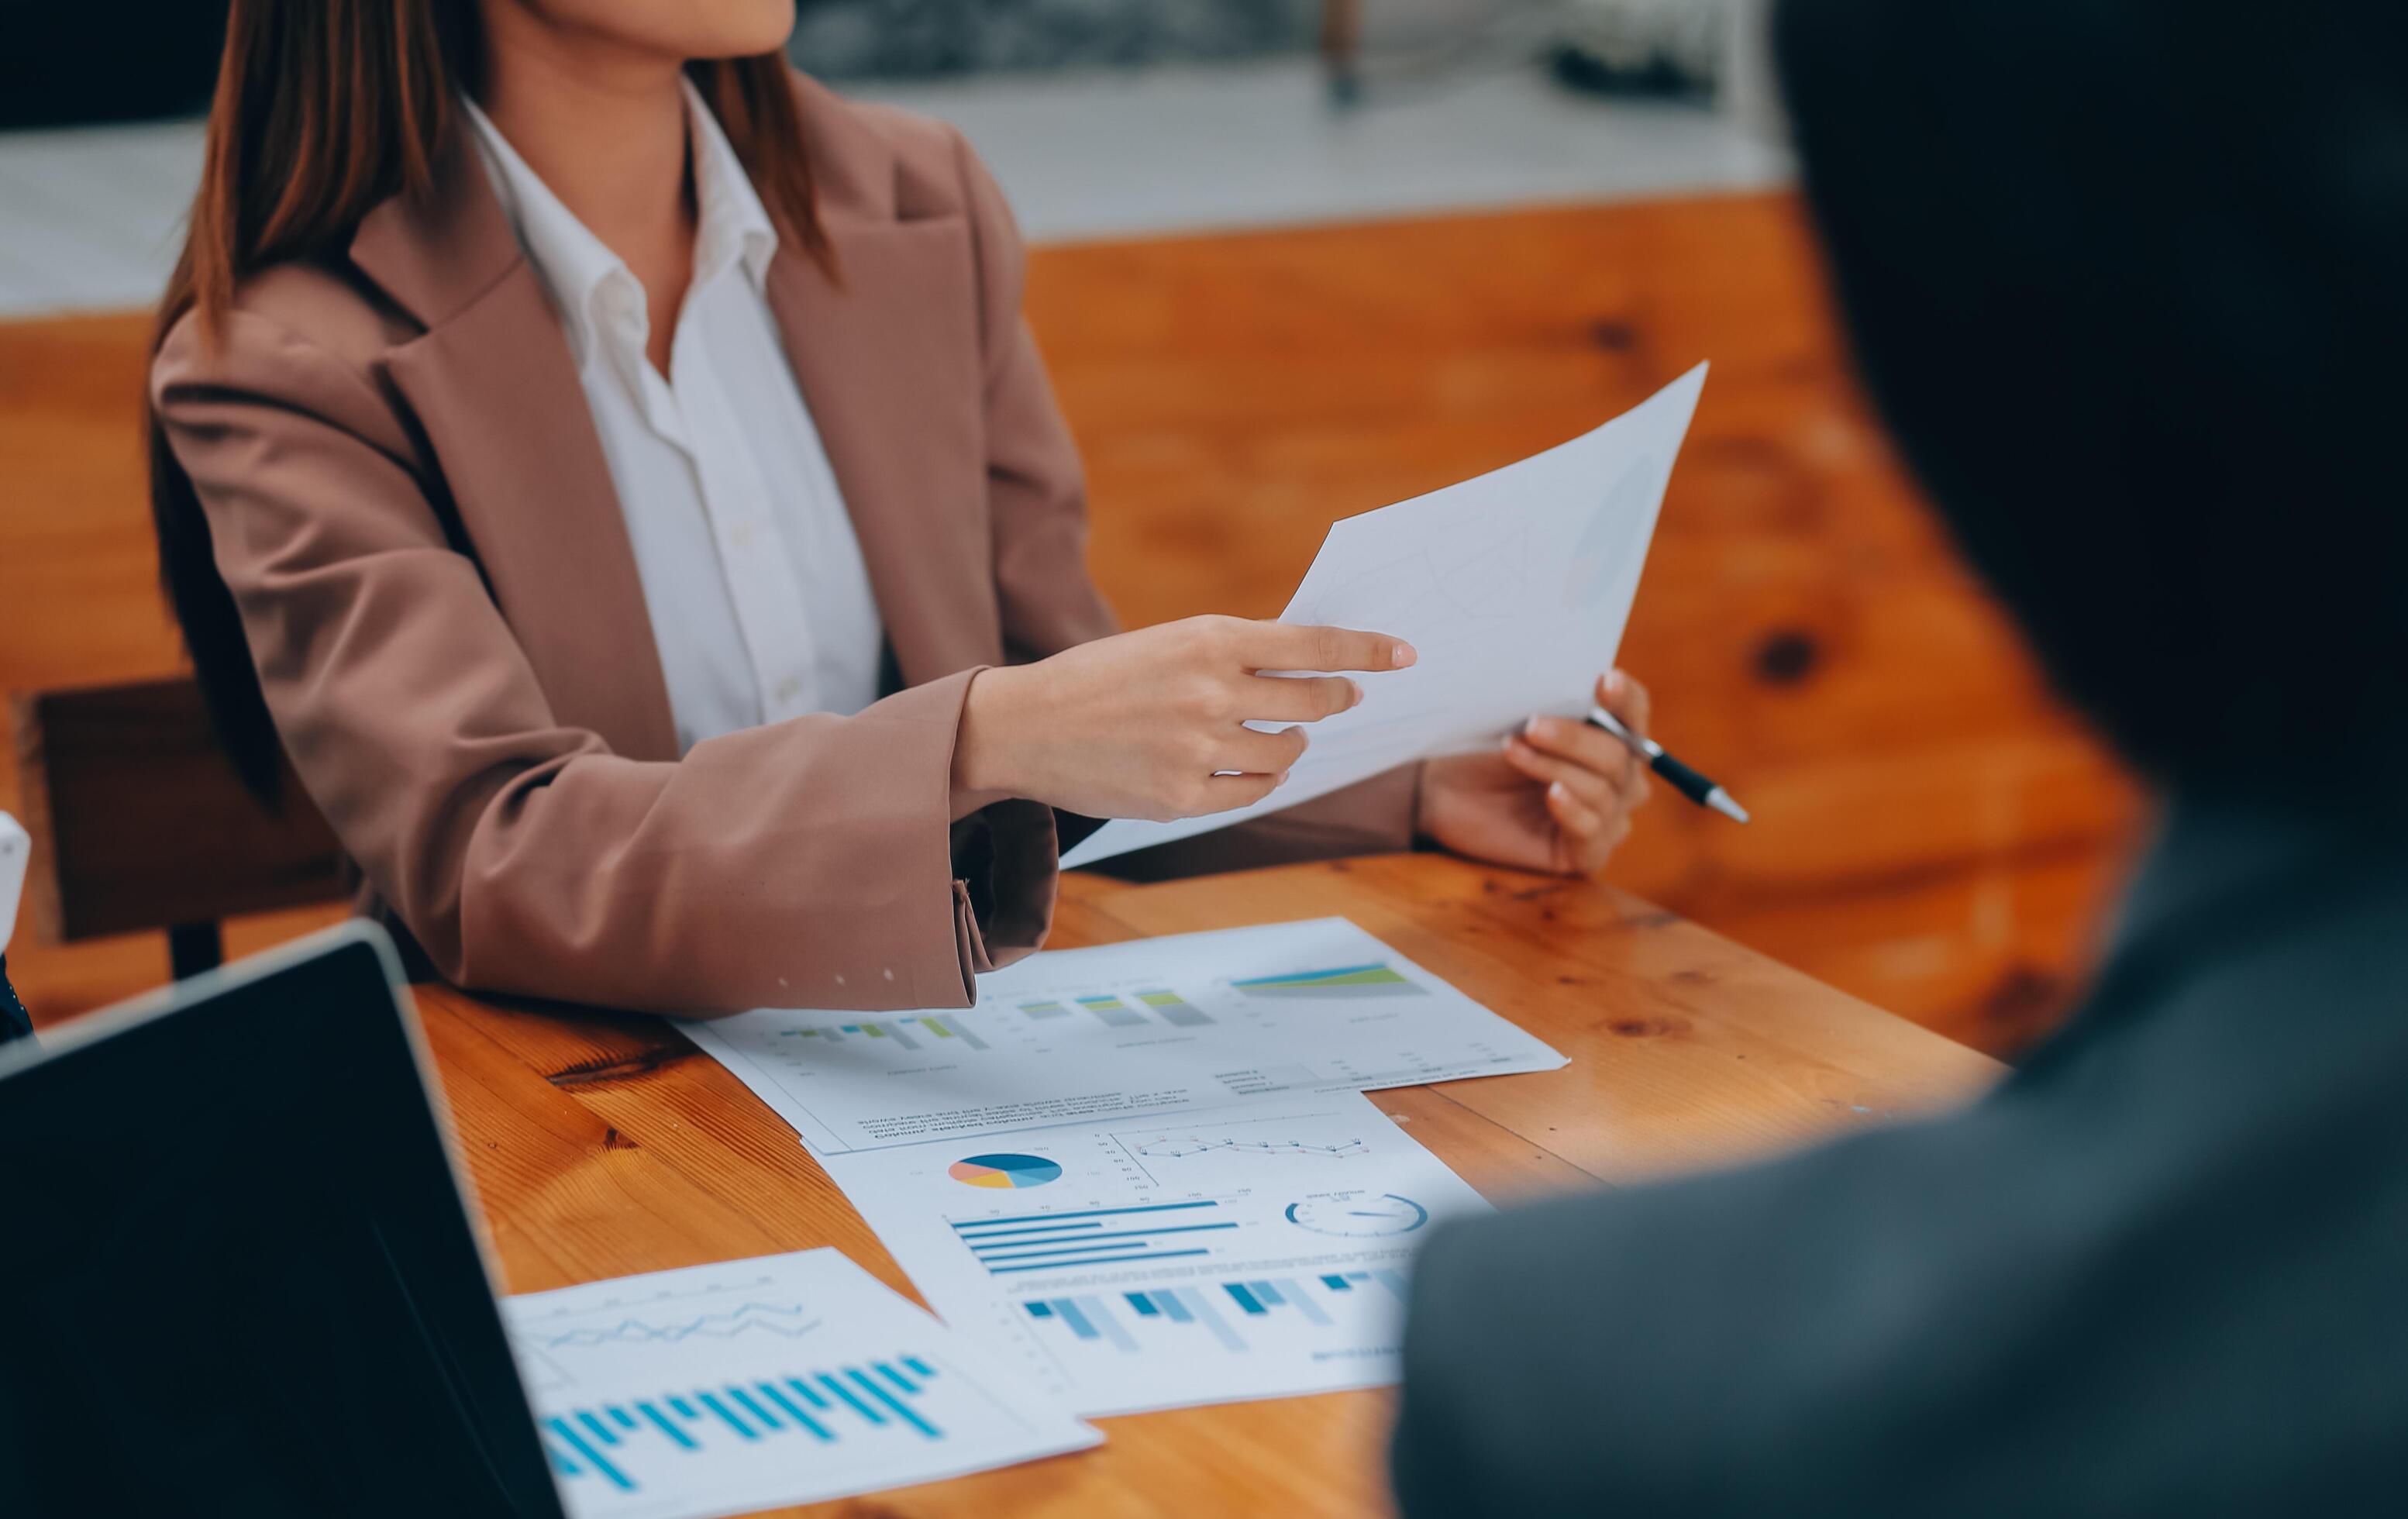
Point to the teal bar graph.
(612, 1444)
(1230, 1313)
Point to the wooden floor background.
(1932, 833)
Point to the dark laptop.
(238, 1274)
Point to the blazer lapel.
(888, 355)
(493, 383)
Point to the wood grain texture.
(1933, 833)
(602, 1145)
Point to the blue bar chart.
(1059, 1239)
(1253, 1250)
(605, 1441)
(750, 1384)
(1233, 1315)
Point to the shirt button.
(789, 688)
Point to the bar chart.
(1062, 1240)
(899, 1030)
(1133, 1010)
(605, 1443)
(1230, 1314)
(1140, 1030)
(1132, 1345)
(1256, 1250)
(725, 1388)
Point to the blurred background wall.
(1296, 259)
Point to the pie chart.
(1004, 1170)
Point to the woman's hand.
(1558, 795)
(1152, 724)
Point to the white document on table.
(1149, 1027)
(756, 1383)
(1257, 1251)
(1513, 588)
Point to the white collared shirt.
(760, 606)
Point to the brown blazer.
(406, 497)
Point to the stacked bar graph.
(609, 1441)
(947, 1029)
(1112, 1011)
(1174, 1009)
(892, 1030)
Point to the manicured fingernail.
(1508, 742)
(1614, 681)
(1404, 655)
(1354, 693)
(1530, 723)
(1559, 792)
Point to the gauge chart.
(1358, 1216)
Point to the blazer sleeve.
(1037, 492)
(809, 861)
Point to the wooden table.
(606, 1144)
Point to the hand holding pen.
(1554, 794)
(1682, 778)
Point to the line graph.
(786, 1319)
(1168, 1148)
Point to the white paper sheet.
(1513, 588)
(1257, 1251)
(1156, 1026)
(755, 1384)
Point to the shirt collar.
(731, 223)
(592, 286)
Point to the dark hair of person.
(2128, 280)
(323, 109)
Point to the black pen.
(1684, 780)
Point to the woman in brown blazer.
(741, 656)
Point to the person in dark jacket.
(2129, 279)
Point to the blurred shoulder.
(301, 314)
(301, 340)
(879, 160)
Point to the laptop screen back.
(235, 1272)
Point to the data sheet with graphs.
(1255, 1251)
(1142, 1029)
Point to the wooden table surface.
(606, 1144)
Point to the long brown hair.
(324, 109)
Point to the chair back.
(139, 822)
